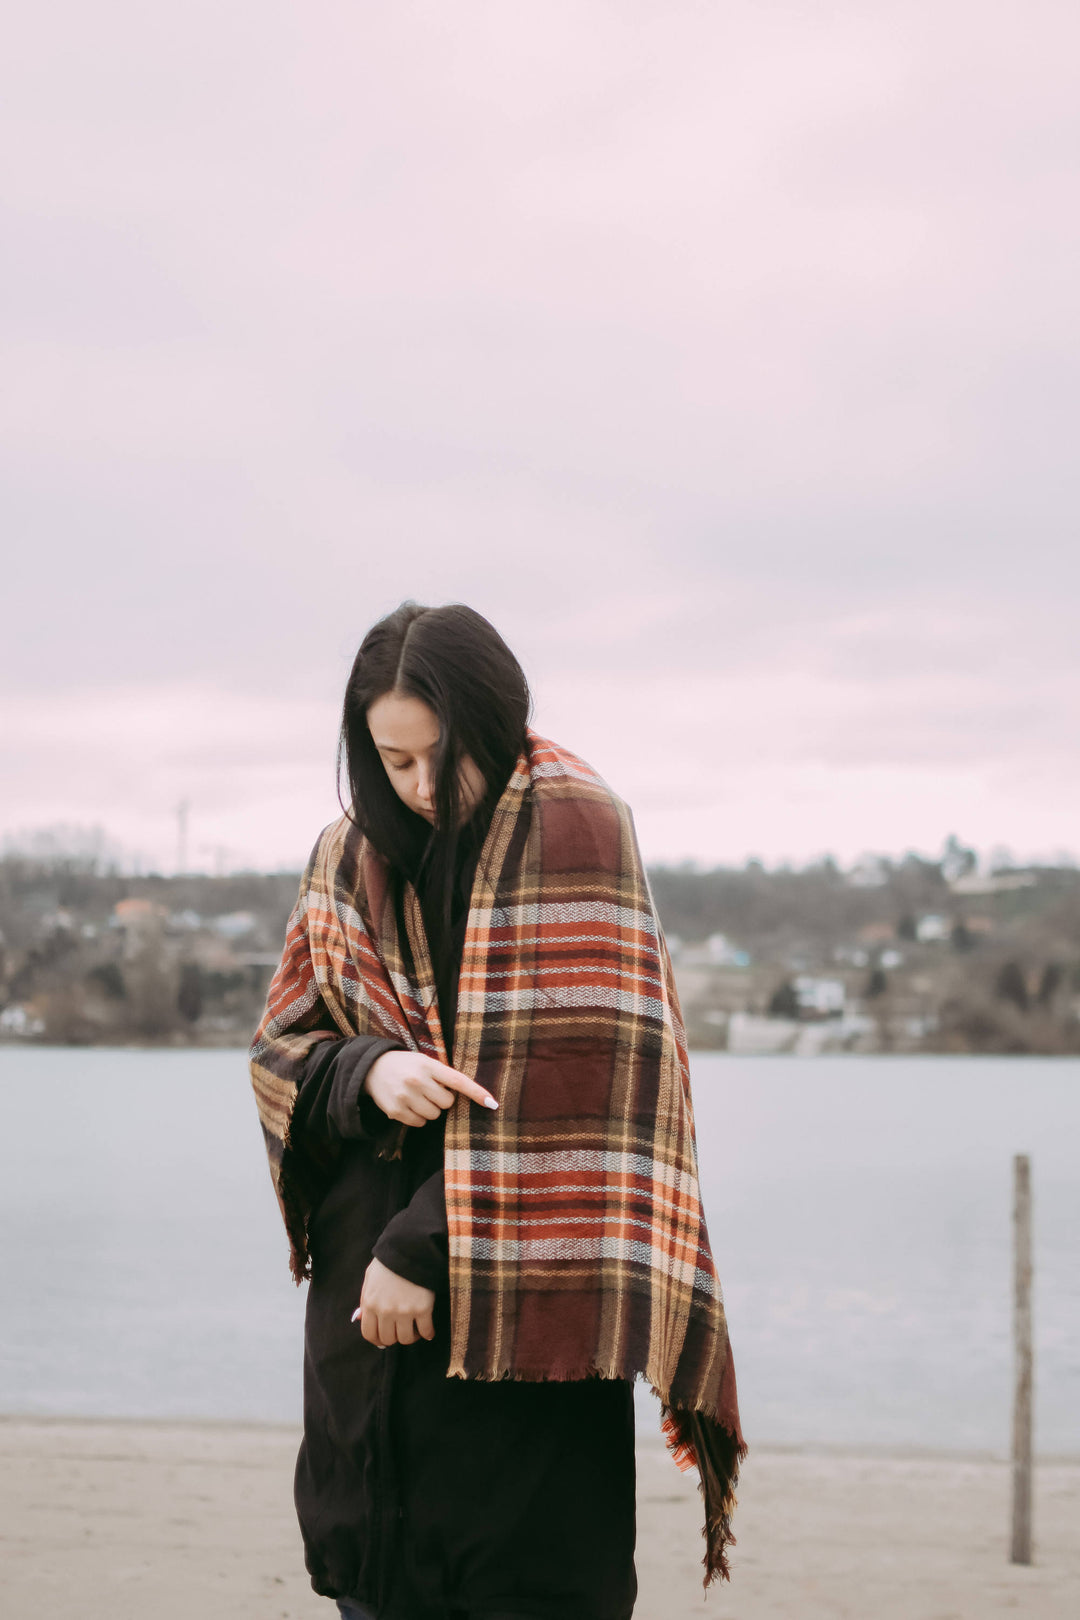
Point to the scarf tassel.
(698, 1441)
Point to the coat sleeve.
(332, 1105)
(415, 1243)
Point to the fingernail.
(491, 1103)
(356, 1315)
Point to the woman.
(473, 1086)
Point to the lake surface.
(859, 1208)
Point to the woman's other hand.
(393, 1310)
(413, 1089)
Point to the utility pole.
(182, 835)
(1022, 1402)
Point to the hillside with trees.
(905, 955)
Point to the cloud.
(726, 357)
(716, 766)
(258, 775)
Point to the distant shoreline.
(17, 1044)
(910, 955)
(645, 1439)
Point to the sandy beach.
(160, 1521)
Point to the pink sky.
(726, 357)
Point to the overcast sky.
(725, 355)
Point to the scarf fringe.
(697, 1440)
(294, 1199)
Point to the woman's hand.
(413, 1089)
(393, 1310)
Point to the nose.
(423, 783)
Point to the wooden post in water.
(1021, 1438)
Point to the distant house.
(135, 913)
(58, 922)
(722, 953)
(749, 1034)
(994, 882)
(234, 924)
(869, 872)
(820, 998)
(140, 922)
(16, 1020)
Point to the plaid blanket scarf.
(577, 1241)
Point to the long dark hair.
(453, 660)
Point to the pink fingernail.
(491, 1103)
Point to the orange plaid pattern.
(578, 1245)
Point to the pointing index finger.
(461, 1082)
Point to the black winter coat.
(419, 1494)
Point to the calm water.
(860, 1211)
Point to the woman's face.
(406, 734)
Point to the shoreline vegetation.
(906, 956)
